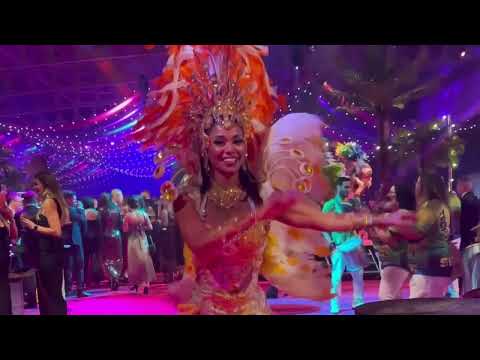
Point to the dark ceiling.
(51, 85)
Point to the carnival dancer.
(212, 108)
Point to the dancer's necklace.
(226, 198)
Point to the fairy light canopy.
(75, 105)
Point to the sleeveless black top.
(48, 243)
(4, 242)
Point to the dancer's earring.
(245, 165)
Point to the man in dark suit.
(76, 258)
(469, 214)
(470, 211)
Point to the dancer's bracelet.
(359, 222)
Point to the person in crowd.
(167, 243)
(392, 251)
(163, 213)
(470, 210)
(111, 240)
(76, 257)
(455, 240)
(151, 205)
(140, 267)
(143, 201)
(347, 251)
(119, 200)
(469, 214)
(49, 250)
(6, 220)
(14, 201)
(30, 210)
(178, 241)
(142, 205)
(15, 204)
(93, 268)
(156, 235)
(429, 250)
(147, 197)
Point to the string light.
(80, 154)
(305, 90)
(104, 151)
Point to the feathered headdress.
(350, 151)
(206, 85)
(354, 160)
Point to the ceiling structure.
(74, 104)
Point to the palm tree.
(380, 79)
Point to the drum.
(421, 307)
(471, 267)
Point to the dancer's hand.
(403, 223)
(399, 219)
(278, 203)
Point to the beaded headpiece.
(202, 86)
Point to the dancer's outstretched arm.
(307, 214)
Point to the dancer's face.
(226, 150)
(37, 186)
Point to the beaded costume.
(227, 85)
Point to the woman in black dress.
(5, 299)
(168, 243)
(47, 230)
(93, 263)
